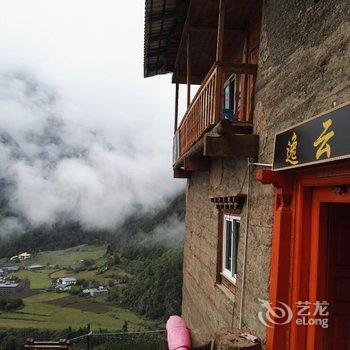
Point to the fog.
(83, 136)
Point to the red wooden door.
(338, 277)
(330, 268)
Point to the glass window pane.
(228, 248)
(235, 246)
(232, 95)
(227, 96)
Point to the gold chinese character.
(292, 150)
(322, 141)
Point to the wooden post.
(245, 86)
(176, 106)
(221, 30)
(188, 70)
(88, 338)
(218, 94)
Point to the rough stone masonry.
(303, 69)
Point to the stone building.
(264, 148)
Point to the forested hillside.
(146, 228)
(147, 246)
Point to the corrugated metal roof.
(9, 285)
(164, 21)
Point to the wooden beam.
(239, 68)
(176, 106)
(181, 174)
(221, 29)
(195, 151)
(222, 128)
(226, 126)
(195, 79)
(230, 145)
(188, 70)
(208, 30)
(197, 164)
(182, 40)
(245, 55)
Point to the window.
(229, 248)
(229, 98)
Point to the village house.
(20, 257)
(264, 146)
(34, 267)
(9, 269)
(93, 292)
(67, 281)
(24, 256)
(8, 287)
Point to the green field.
(67, 258)
(53, 310)
(38, 314)
(92, 275)
(38, 279)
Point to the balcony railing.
(206, 109)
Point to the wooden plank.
(197, 164)
(181, 174)
(230, 145)
(218, 95)
(176, 106)
(245, 78)
(182, 40)
(225, 126)
(221, 29)
(196, 79)
(195, 151)
(208, 30)
(188, 70)
(239, 68)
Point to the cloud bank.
(58, 169)
(83, 136)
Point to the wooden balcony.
(206, 109)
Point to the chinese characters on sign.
(321, 139)
(292, 150)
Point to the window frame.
(230, 84)
(226, 273)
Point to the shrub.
(8, 304)
(75, 290)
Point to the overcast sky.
(87, 137)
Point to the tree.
(125, 327)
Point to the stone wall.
(303, 68)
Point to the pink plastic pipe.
(178, 334)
